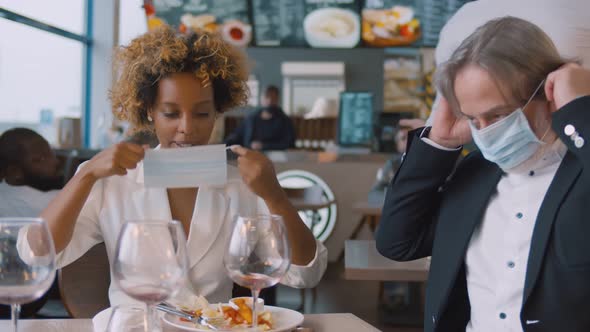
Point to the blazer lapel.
(208, 220)
(566, 175)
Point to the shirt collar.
(549, 154)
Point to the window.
(132, 20)
(64, 14)
(42, 73)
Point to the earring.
(150, 118)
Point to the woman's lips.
(182, 144)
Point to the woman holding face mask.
(507, 227)
(176, 86)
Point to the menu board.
(355, 126)
(228, 17)
(388, 23)
(315, 23)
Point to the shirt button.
(569, 130)
(531, 173)
(519, 215)
(511, 264)
(502, 315)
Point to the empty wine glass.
(126, 319)
(150, 263)
(258, 254)
(27, 262)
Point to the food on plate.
(390, 27)
(235, 317)
(235, 32)
(332, 27)
(199, 22)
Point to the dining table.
(362, 261)
(337, 322)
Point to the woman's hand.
(258, 173)
(115, 160)
(567, 83)
(449, 130)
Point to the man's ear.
(14, 175)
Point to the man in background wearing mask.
(267, 129)
(29, 173)
(507, 228)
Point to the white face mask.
(510, 141)
(185, 167)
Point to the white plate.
(284, 320)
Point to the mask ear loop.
(533, 95)
(528, 102)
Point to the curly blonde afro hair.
(162, 52)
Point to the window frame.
(87, 41)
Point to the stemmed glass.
(27, 262)
(126, 318)
(258, 254)
(151, 263)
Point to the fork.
(212, 323)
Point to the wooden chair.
(84, 284)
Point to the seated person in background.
(29, 173)
(386, 173)
(507, 227)
(267, 129)
(178, 97)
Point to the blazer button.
(569, 130)
(579, 142)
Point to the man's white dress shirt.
(496, 260)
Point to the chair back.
(84, 284)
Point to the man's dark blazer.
(428, 211)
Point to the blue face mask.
(510, 141)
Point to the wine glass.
(27, 262)
(151, 263)
(126, 318)
(258, 254)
